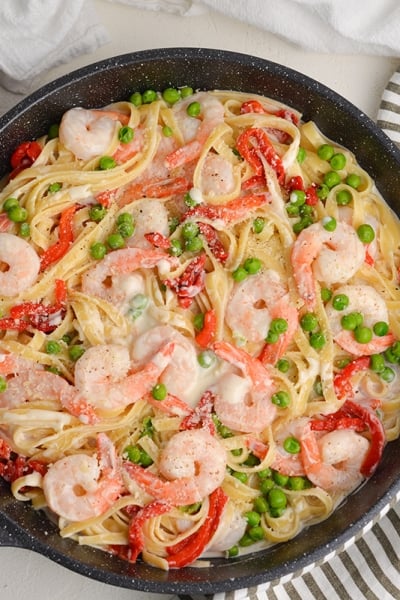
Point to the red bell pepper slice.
(190, 283)
(254, 141)
(213, 241)
(65, 239)
(185, 552)
(342, 380)
(201, 414)
(135, 533)
(252, 106)
(206, 336)
(158, 240)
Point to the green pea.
(54, 187)
(323, 191)
(53, 347)
(24, 229)
(302, 224)
(306, 210)
(17, 214)
(240, 476)
(75, 352)
(297, 483)
(390, 356)
(173, 224)
(395, 348)
(136, 98)
(167, 131)
(325, 151)
(233, 552)
(53, 131)
(377, 363)
(195, 244)
(340, 301)
(149, 96)
(97, 212)
(115, 241)
(260, 504)
(277, 498)
(126, 230)
(194, 109)
(3, 384)
(297, 197)
(381, 328)
(266, 485)
(133, 453)
(125, 217)
(353, 180)
(264, 473)
(292, 210)
(256, 533)
(363, 334)
(317, 340)
(272, 337)
(10, 203)
(98, 250)
(258, 224)
(186, 91)
(280, 479)
(106, 163)
(343, 197)
(338, 161)
(366, 233)
(252, 517)
(388, 374)
(326, 294)
(126, 134)
(198, 321)
(206, 359)
(279, 325)
(331, 179)
(252, 265)
(176, 248)
(246, 540)
(317, 387)
(283, 365)
(301, 155)
(281, 399)
(191, 509)
(329, 223)
(190, 230)
(351, 321)
(292, 445)
(171, 95)
(159, 391)
(239, 274)
(309, 322)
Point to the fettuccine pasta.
(200, 335)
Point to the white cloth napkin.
(334, 26)
(36, 35)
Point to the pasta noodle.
(199, 326)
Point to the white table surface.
(360, 79)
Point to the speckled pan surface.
(114, 79)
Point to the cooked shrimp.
(194, 130)
(193, 464)
(21, 262)
(243, 402)
(79, 486)
(328, 256)
(333, 461)
(89, 133)
(108, 278)
(255, 302)
(150, 216)
(363, 299)
(217, 177)
(182, 373)
(103, 378)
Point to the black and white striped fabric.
(368, 567)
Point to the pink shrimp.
(333, 461)
(23, 265)
(328, 256)
(230, 212)
(243, 402)
(195, 130)
(253, 304)
(96, 281)
(80, 486)
(193, 465)
(103, 377)
(89, 133)
(369, 304)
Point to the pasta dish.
(199, 327)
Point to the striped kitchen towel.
(389, 110)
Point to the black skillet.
(115, 79)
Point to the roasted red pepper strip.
(186, 552)
(206, 336)
(190, 283)
(252, 106)
(231, 211)
(158, 240)
(213, 241)
(135, 534)
(342, 380)
(65, 239)
(25, 154)
(255, 141)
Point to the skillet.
(115, 79)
